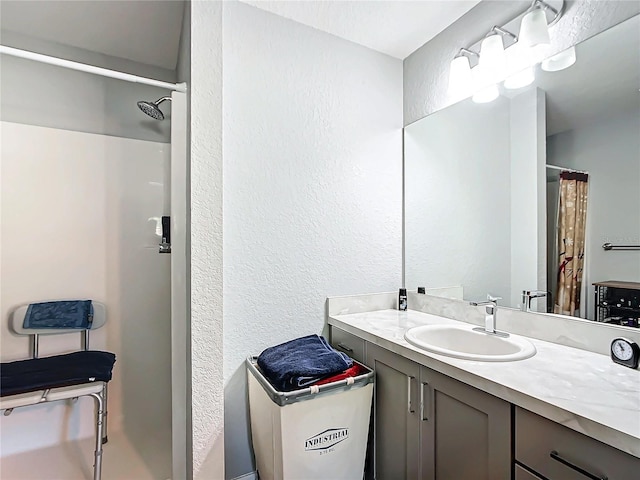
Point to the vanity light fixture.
(521, 79)
(513, 64)
(492, 55)
(460, 79)
(534, 30)
(560, 61)
(521, 71)
(485, 87)
(487, 94)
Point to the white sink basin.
(463, 342)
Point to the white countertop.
(582, 390)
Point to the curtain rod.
(554, 167)
(83, 67)
(611, 246)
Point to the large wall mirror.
(492, 189)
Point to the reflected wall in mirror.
(482, 191)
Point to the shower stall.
(85, 214)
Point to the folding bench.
(60, 377)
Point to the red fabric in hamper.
(349, 372)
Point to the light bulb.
(460, 79)
(534, 29)
(492, 57)
(519, 66)
(521, 79)
(486, 95)
(560, 61)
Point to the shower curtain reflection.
(572, 215)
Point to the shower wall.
(38, 94)
(78, 216)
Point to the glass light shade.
(539, 53)
(482, 78)
(521, 79)
(534, 29)
(520, 72)
(560, 61)
(492, 57)
(460, 79)
(486, 95)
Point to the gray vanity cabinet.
(348, 343)
(429, 426)
(396, 417)
(465, 432)
(522, 474)
(556, 452)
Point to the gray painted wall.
(45, 95)
(426, 71)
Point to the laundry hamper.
(315, 433)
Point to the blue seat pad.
(65, 370)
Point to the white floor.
(74, 461)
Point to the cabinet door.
(396, 417)
(466, 433)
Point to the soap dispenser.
(402, 300)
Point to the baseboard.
(247, 476)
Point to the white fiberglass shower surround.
(80, 218)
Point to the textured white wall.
(426, 71)
(206, 239)
(457, 223)
(610, 151)
(75, 224)
(312, 188)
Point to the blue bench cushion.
(58, 371)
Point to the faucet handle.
(493, 299)
(534, 293)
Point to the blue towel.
(63, 314)
(301, 362)
(57, 371)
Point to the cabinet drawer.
(522, 474)
(558, 453)
(348, 343)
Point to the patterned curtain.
(571, 236)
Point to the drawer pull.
(424, 407)
(344, 348)
(410, 407)
(556, 456)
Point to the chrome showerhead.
(152, 108)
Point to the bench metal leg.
(100, 410)
(105, 437)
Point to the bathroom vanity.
(439, 417)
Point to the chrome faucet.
(491, 309)
(527, 296)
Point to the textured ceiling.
(143, 31)
(396, 28)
